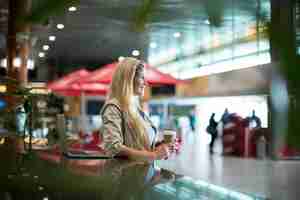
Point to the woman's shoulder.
(111, 106)
(113, 102)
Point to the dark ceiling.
(101, 30)
(3, 26)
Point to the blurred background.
(229, 57)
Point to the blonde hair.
(122, 89)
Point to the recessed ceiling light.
(153, 45)
(17, 62)
(41, 188)
(72, 9)
(121, 58)
(60, 26)
(177, 35)
(135, 52)
(46, 47)
(3, 89)
(52, 38)
(3, 62)
(41, 54)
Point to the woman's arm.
(159, 153)
(112, 130)
(113, 138)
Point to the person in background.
(127, 131)
(192, 119)
(212, 130)
(255, 121)
(225, 116)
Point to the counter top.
(35, 178)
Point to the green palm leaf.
(143, 14)
(215, 11)
(42, 10)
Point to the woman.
(126, 130)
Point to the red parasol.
(64, 82)
(69, 86)
(152, 76)
(91, 89)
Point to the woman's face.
(139, 82)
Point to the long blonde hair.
(122, 89)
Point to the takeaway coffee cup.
(169, 136)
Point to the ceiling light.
(72, 9)
(206, 22)
(17, 62)
(52, 38)
(3, 88)
(3, 63)
(121, 58)
(46, 47)
(135, 52)
(41, 54)
(177, 35)
(153, 45)
(60, 26)
(41, 188)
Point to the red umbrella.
(64, 82)
(91, 89)
(152, 76)
(69, 86)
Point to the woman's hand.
(171, 145)
(161, 152)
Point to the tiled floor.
(278, 180)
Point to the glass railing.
(187, 188)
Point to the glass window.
(297, 26)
